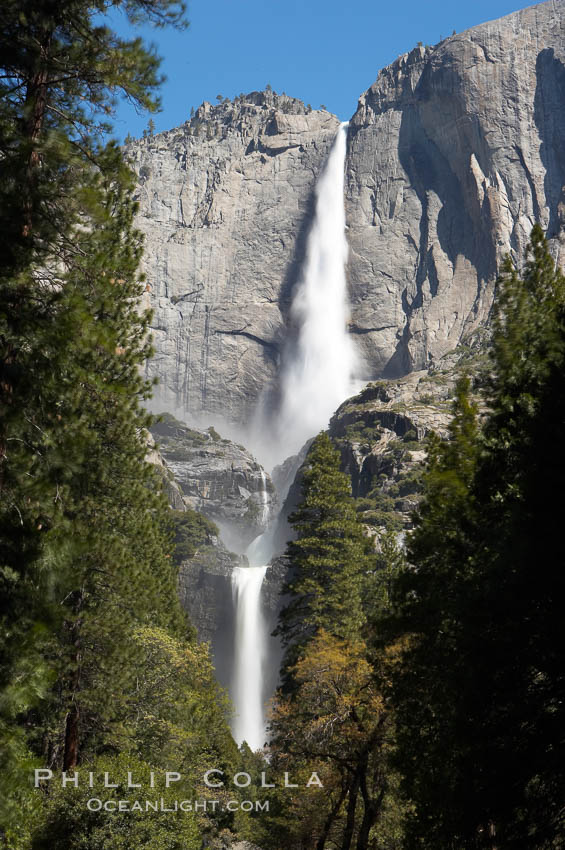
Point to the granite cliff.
(217, 477)
(453, 153)
(225, 201)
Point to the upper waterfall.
(319, 365)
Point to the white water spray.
(317, 376)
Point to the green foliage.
(479, 696)
(69, 823)
(61, 71)
(329, 556)
(381, 583)
(171, 430)
(359, 432)
(192, 530)
(92, 633)
(177, 712)
(332, 714)
(105, 544)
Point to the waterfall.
(318, 369)
(264, 499)
(259, 551)
(251, 637)
(317, 375)
(250, 642)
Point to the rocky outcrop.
(454, 153)
(170, 486)
(219, 478)
(225, 202)
(202, 471)
(381, 432)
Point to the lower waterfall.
(250, 641)
(251, 638)
(264, 498)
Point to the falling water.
(250, 642)
(250, 637)
(316, 377)
(264, 499)
(318, 372)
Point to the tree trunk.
(372, 805)
(331, 818)
(70, 758)
(35, 110)
(72, 736)
(370, 815)
(352, 805)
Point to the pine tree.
(433, 680)
(523, 585)
(71, 342)
(329, 558)
(61, 70)
(117, 568)
(78, 483)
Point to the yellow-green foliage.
(69, 824)
(178, 711)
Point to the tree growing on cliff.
(329, 558)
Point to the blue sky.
(321, 51)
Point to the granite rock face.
(381, 432)
(219, 478)
(453, 153)
(205, 592)
(171, 487)
(225, 201)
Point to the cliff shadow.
(287, 333)
(292, 272)
(549, 116)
